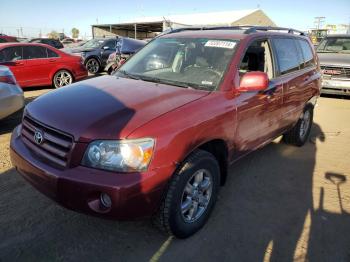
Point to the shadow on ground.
(260, 213)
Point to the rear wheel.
(62, 78)
(299, 134)
(191, 195)
(92, 65)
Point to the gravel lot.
(280, 203)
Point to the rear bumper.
(336, 87)
(81, 73)
(79, 188)
(11, 104)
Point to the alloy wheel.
(63, 78)
(305, 124)
(196, 195)
(92, 66)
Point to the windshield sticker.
(220, 44)
(207, 83)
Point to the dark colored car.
(125, 49)
(156, 138)
(7, 39)
(96, 51)
(41, 65)
(47, 41)
(334, 54)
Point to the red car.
(41, 65)
(156, 138)
(7, 38)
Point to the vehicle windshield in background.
(93, 43)
(196, 63)
(335, 45)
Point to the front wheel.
(191, 195)
(92, 65)
(62, 78)
(299, 134)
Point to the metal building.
(148, 27)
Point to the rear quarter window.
(287, 55)
(51, 53)
(307, 53)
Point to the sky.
(35, 15)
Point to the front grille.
(335, 72)
(55, 146)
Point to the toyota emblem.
(38, 137)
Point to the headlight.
(119, 155)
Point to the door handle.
(52, 60)
(19, 63)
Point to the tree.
(75, 32)
(53, 34)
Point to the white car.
(11, 95)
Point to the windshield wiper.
(128, 75)
(172, 82)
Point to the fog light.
(106, 201)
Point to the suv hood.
(107, 107)
(334, 59)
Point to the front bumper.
(335, 87)
(133, 195)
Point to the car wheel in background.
(191, 195)
(92, 65)
(299, 134)
(62, 78)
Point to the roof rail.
(246, 29)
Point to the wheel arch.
(95, 57)
(219, 149)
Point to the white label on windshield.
(220, 44)
(207, 83)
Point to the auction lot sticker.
(220, 44)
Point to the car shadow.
(260, 215)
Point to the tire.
(185, 207)
(62, 78)
(299, 134)
(93, 66)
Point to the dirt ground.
(280, 203)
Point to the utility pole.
(319, 20)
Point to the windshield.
(187, 62)
(93, 43)
(334, 45)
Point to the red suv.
(156, 138)
(41, 65)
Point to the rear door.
(293, 76)
(13, 58)
(38, 64)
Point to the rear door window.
(34, 52)
(307, 53)
(287, 54)
(11, 54)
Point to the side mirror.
(106, 47)
(254, 81)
